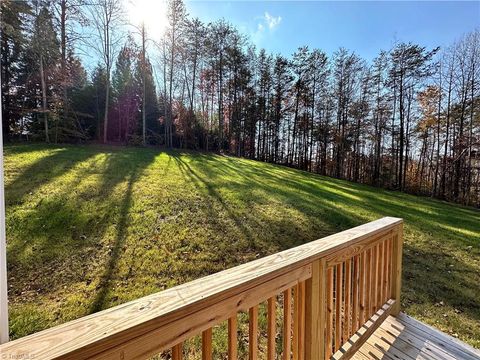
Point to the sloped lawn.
(90, 227)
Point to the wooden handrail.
(141, 328)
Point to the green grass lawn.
(92, 227)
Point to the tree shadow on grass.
(62, 238)
(422, 213)
(115, 252)
(43, 171)
(123, 166)
(36, 225)
(55, 224)
(418, 211)
(213, 192)
(253, 189)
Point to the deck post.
(397, 268)
(315, 312)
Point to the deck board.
(404, 338)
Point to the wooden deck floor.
(406, 338)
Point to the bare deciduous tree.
(107, 19)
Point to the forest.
(408, 120)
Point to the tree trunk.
(105, 116)
(447, 130)
(44, 99)
(63, 46)
(401, 140)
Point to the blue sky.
(363, 26)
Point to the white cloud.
(266, 25)
(269, 22)
(272, 21)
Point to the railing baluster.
(177, 351)
(368, 282)
(380, 300)
(232, 338)
(287, 324)
(373, 293)
(375, 306)
(338, 306)
(386, 276)
(390, 267)
(207, 344)
(271, 327)
(347, 308)
(356, 280)
(296, 297)
(253, 333)
(329, 327)
(362, 291)
(301, 320)
(315, 313)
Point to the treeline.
(408, 120)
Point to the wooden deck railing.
(334, 293)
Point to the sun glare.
(151, 12)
